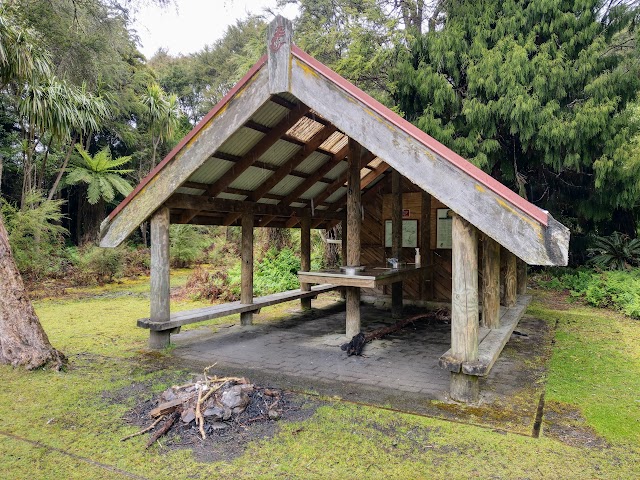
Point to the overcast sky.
(194, 23)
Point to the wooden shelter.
(293, 144)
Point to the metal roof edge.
(187, 138)
(431, 143)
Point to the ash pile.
(210, 405)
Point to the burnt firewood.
(355, 346)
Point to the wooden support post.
(396, 239)
(160, 289)
(354, 219)
(305, 257)
(343, 253)
(246, 289)
(522, 277)
(425, 248)
(490, 283)
(509, 277)
(464, 307)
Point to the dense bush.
(187, 244)
(36, 237)
(619, 290)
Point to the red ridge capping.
(258, 65)
(430, 142)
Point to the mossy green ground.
(69, 425)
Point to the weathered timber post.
(509, 279)
(464, 307)
(343, 253)
(490, 283)
(396, 239)
(246, 273)
(425, 247)
(354, 218)
(305, 257)
(160, 287)
(522, 277)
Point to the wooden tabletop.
(370, 277)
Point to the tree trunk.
(23, 342)
(332, 250)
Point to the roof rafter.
(299, 157)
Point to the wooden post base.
(246, 318)
(396, 300)
(305, 303)
(159, 340)
(353, 311)
(464, 388)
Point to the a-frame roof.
(276, 145)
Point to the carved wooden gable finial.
(279, 52)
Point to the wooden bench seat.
(216, 311)
(490, 342)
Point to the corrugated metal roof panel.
(211, 171)
(338, 170)
(241, 141)
(280, 152)
(251, 178)
(270, 201)
(314, 191)
(312, 162)
(336, 195)
(190, 191)
(231, 196)
(286, 185)
(270, 114)
(298, 205)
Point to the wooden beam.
(316, 176)
(203, 204)
(257, 151)
(293, 162)
(305, 257)
(286, 137)
(160, 290)
(464, 307)
(396, 239)
(354, 220)
(364, 183)
(279, 35)
(509, 278)
(490, 283)
(231, 218)
(246, 274)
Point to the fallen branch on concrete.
(357, 343)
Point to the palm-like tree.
(163, 115)
(102, 177)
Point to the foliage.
(212, 285)
(101, 175)
(615, 252)
(276, 272)
(539, 94)
(618, 290)
(36, 236)
(99, 265)
(187, 242)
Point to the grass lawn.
(69, 425)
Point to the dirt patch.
(566, 424)
(555, 300)
(225, 440)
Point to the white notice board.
(443, 228)
(409, 233)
